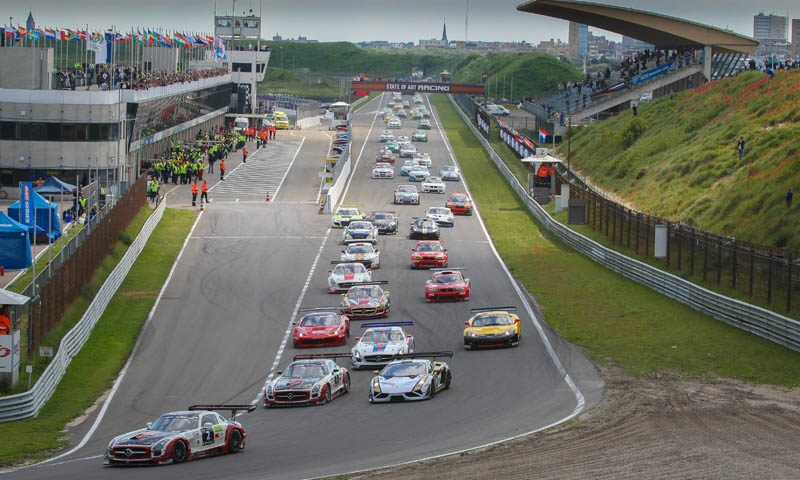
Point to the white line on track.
(265, 237)
(353, 170)
(580, 402)
(124, 370)
(286, 334)
(289, 168)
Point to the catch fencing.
(27, 404)
(769, 275)
(759, 321)
(61, 282)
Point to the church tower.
(444, 32)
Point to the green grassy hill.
(533, 73)
(685, 166)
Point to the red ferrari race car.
(180, 436)
(429, 253)
(459, 204)
(385, 156)
(366, 300)
(321, 327)
(447, 284)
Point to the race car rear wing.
(232, 408)
(319, 309)
(494, 309)
(312, 356)
(445, 353)
(374, 282)
(386, 324)
(445, 269)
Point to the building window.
(8, 130)
(242, 67)
(79, 132)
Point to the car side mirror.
(280, 372)
(376, 372)
(427, 282)
(294, 323)
(342, 294)
(330, 271)
(516, 321)
(358, 338)
(466, 323)
(149, 425)
(342, 251)
(409, 336)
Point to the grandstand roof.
(662, 31)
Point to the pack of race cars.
(318, 378)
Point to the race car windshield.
(360, 249)
(382, 216)
(350, 268)
(491, 319)
(438, 211)
(447, 278)
(429, 247)
(406, 188)
(319, 320)
(373, 292)
(459, 198)
(175, 423)
(448, 169)
(348, 212)
(306, 370)
(382, 336)
(360, 225)
(410, 369)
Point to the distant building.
(276, 38)
(578, 40)
(30, 23)
(796, 37)
(444, 33)
(771, 27)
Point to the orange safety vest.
(542, 171)
(244, 151)
(222, 165)
(204, 186)
(5, 325)
(195, 190)
(551, 170)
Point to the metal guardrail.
(27, 404)
(756, 320)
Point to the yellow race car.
(492, 327)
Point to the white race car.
(418, 173)
(344, 275)
(441, 215)
(412, 378)
(449, 173)
(380, 343)
(386, 135)
(394, 123)
(362, 252)
(407, 150)
(407, 166)
(433, 185)
(406, 194)
(383, 170)
(423, 159)
(403, 139)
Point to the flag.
(179, 40)
(33, 34)
(542, 136)
(152, 36)
(64, 34)
(165, 40)
(21, 31)
(219, 49)
(97, 44)
(26, 212)
(75, 35)
(50, 34)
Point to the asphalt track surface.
(224, 315)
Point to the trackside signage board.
(9, 352)
(422, 87)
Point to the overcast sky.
(357, 20)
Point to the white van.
(241, 123)
(497, 110)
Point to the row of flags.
(174, 40)
(518, 142)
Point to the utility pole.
(569, 147)
(466, 25)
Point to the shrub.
(125, 238)
(632, 131)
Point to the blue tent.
(47, 220)
(15, 244)
(54, 186)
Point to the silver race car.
(381, 343)
(345, 274)
(416, 376)
(362, 252)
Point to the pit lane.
(223, 318)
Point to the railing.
(759, 321)
(27, 404)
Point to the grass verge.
(610, 317)
(96, 366)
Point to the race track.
(224, 315)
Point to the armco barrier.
(756, 320)
(27, 404)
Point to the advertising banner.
(9, 352)
(422, 87)
(26, 213)
(652, 73)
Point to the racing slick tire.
(469, 212)
(432, 392)
(326, 397)
(347, 383)
(235, 441)
(448, 380)
(179, 452)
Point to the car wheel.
(235, 441)
(432, 391)
(447, 380)
(347, 383)
(327, 396)
(179, 452)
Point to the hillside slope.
(533, 73)
(685, 166)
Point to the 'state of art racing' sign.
(422, 87)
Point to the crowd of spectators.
(105, 77)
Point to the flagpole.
(569, 146)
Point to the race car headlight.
(158, 448)
(420, 383)
(509, 333)
(471, 334)
(300, 334)
(376, 385)
(357, 355)
(269, 390)
(439, 257)
(417, 257)
(348, 234)
(316, 389)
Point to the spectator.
(788, 196)
(740, 147)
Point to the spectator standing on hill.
(740, 147)
(788, 196)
